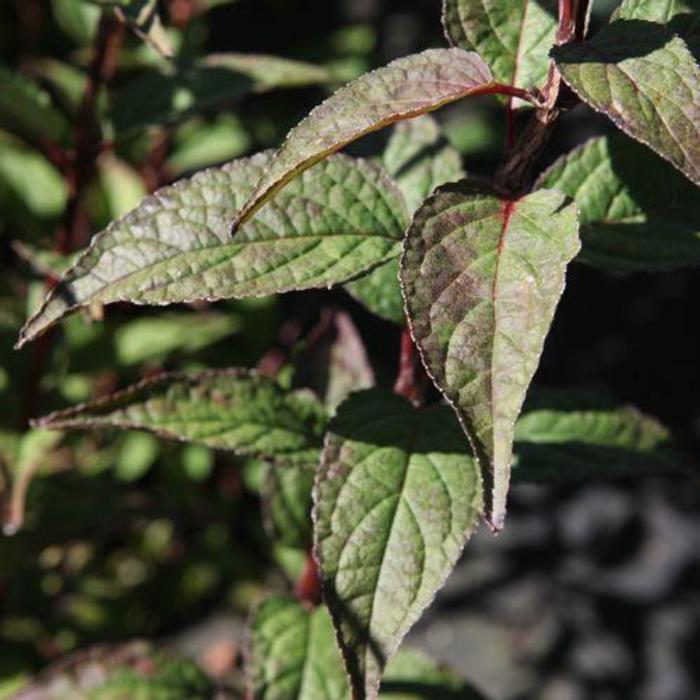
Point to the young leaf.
(395, 500)
(576, 435)
(512, 36)
(637, 212)
(223, 409)
(647, 81)
(333, 223)
(419, 159)
(292, 654)
(403, 89)
(482, 278)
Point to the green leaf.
(682, 16)
(576, 435)
(172, 91)
(132, 670)
(419, 159)
(286, 501)
(223, 409)
(513, 36)
(637, 212)
(396, 498)
(405, 88)
(647, 81)
(482, 278)
(27, 111)
(122, 185)
(77, 19)
(335, 222)
(292, 654)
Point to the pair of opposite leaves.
(481, 274)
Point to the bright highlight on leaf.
(512, 36)
(482, 278)
(637, 212)
(403, 89)
(647, 81)
(395, 500)
(223, 409)
(335, 222)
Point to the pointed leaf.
(647, 81)
(292, 654)
(576, 435)
(396, 498)
(637, 212)
(403, 89)
(333, 223)
(513, 36)
(482, 278)
(223, 409)
(419, 159)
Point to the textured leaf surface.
(292, 654)
(482, 278)
(172, 92)
(222, 409)
(333, 223)
(113, 673)
(637, 212)
(405, 88)
(647, 81)
(396, 497)
(419, 159)
(513, 36)
(573, 435)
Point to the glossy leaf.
(482, 278)
(170, 93)
(637, 212)
(513, 36)
(419, 159)
(647, 81)
(223, 409)
(395, 500)
(333, 223)
(578, 435)
(403, 89)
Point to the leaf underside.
(512, 36)
(482, 278)
(222, 409)
(637, 212)
(395, 500)
(405, 88)
(647, 81)
(331, 224)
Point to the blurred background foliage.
(128, 536)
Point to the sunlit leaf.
(395, 499)
(335, 222)
(637, 212)
(405, 88)
(482, 278)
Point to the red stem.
(407, 381)
(308, 587)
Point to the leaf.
(395, 500)
(513, 36)
(292, 654)
(637, 212)
(286, 501)
(405, 88)
(419, 159)
(171, 92)
(681, 16)
(576, 435)
(481, 278)
(646, 80)
(332, 224)
(132, 670)
(223, 409)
